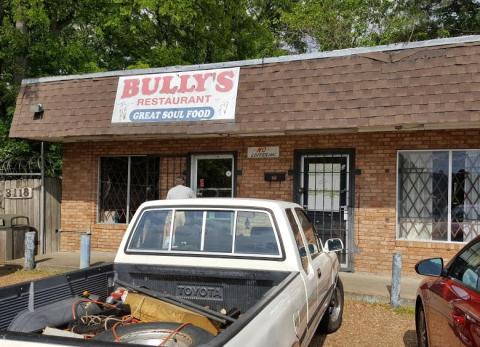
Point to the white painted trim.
(204, 223)
(194, 168)
(449, 197)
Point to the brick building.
(381, 145)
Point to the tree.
(336, 24)
(58, 37)
(429, 19)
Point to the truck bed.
(219, 289)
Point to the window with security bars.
(439, 195)
(125, 183)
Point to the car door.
(321, 264)
(452, 302)
(321, 261)
(301, 317)
(438, 299)
(464, 282)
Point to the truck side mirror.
(333, 245)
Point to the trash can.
(12, 236)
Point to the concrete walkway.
(66, 261)
(376, 288)
(357, 285)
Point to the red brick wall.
(375, 188)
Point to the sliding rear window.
(234, 232)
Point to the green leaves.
(336, 24)
(55, 37)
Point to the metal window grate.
(125, 183)
(171, 167)
(144, 179)
(439, 195)
(324, 192)
(113, 189)
(423, 195)
(465, 224)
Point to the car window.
(466, 267)
(237, 232)
(314, 245)
(219, 231)
(153, 231)
(254, 234)
(187, 230)
(298, 239)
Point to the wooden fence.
(30, 206)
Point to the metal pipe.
(85, 249)
(42, 200)
(396, 276)
(29, 263)
(20, 174)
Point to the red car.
(447, 311)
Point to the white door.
(212, 175)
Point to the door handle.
(319, 273)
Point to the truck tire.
(153, 334)
(332, 318)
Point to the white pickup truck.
(199, 272)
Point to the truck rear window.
(233, 232)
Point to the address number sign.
(18, 193)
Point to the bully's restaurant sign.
(181, 96)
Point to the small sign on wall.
(18, 193)
(263, 152)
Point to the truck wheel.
(154, 334)
(332, 318)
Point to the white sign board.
(263, 152)
(176, 97)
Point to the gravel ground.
(372, 325)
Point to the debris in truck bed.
(147, 309)
(59, 332)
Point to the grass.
(407, 310)
(12, 274)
